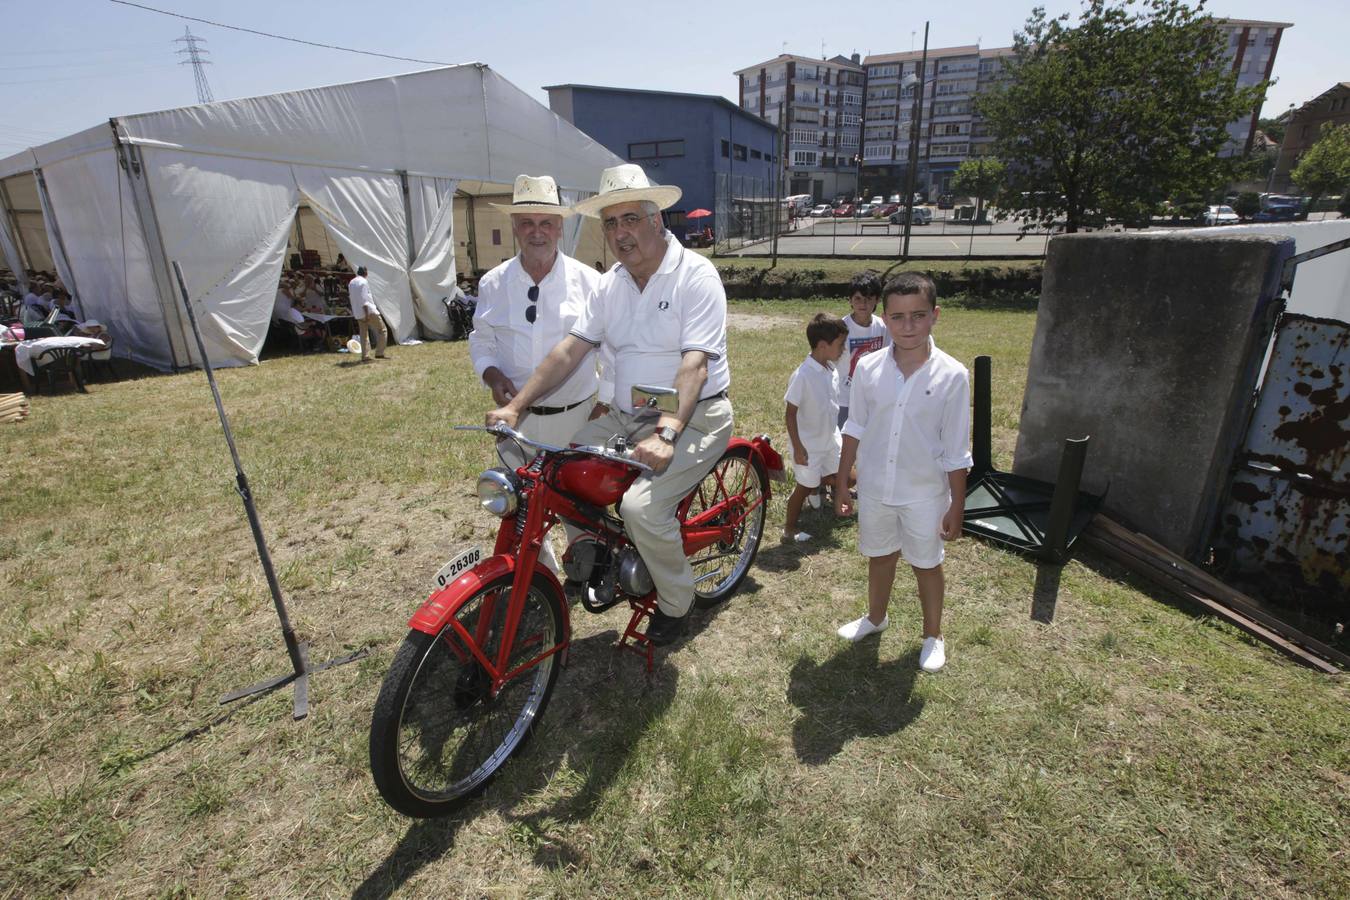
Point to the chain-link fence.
(744, 211)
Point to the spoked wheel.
(438, 734)
(737, 490)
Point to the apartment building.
(1330, 109)
(826, 103)
(1252, 46)
(818, 102)
(950, 131)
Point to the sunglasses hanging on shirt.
(531, 311)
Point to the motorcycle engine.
(582, 558)
(634, 578)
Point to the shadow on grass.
(849, 695)
(601, 707)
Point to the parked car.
(864, 210)
(823, 209)
(922, 216)
(1219, 215)
(843, 211)
(878, 200)
(884, 210)
(1278, 212)
(946, 201)
(894, 198)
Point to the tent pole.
(473, 234)
(129, 164)
(412, 249)
(298, 652)
(71, 288)
(7, 207)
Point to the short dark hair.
(824, 327)
(907, 283)
(867, 283)
(361, 270)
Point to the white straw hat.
(535, 196)
(628, 184)
(353, 346)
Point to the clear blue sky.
(71, 64)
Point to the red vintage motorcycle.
(475, 673)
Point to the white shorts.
(913, 529)
(818, 467)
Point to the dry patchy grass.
(1130, 748)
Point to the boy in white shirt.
(812, 400)
(865, 331)
(909, 432)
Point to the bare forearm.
(957, 482)
(689, 381)
(790, 419)
(848, 454)
(553, 371)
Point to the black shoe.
(664, 629)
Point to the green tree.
(1248, 204)
(1325, 167)
(1113, 114)
(981, 178)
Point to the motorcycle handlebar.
(506, 432)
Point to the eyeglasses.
(531, 311)
(628, 220)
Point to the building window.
(739, 153)
(803, 157)
(805, 136)
(852, 99)
(755, 154)
(674, 218)
(656, 150)
(950, 128)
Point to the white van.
(799, 204)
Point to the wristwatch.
(668, 434)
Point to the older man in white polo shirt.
(661, 317)
(525, 307)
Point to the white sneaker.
(861, 628)
(801, 537)
(933, 656)
(813, 501)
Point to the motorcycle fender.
(443, 603)
(761, 447)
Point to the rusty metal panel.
(1285, 525)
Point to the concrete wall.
(1150, 344)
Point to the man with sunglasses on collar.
(525, 307)
(660, 316)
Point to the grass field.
(1131, 748)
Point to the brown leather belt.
(553, 410)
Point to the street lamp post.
(915, 122)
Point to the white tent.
(396, 169)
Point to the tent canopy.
(397, 170)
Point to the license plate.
(458, 565)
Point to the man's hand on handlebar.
(654, 452)
(503, 414)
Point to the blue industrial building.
(695, 141)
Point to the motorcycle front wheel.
(438, 736)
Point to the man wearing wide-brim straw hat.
(526, 306)
(661, 315)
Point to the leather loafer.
(664, 629)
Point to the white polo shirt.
(362, 301)
(504, 338)
(814, 390)
(911, 431)
(684, 307)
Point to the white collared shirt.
(814, 390)
(362, 301)
(504, 338)
(911, 431)
(683, 307)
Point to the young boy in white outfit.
(909, 432)
(812, 400)
(865, 331)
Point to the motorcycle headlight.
(497, 493)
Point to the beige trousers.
(557, 430)
(374, 323)
(648, 507)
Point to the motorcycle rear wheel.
(438, 737)
(739, 482)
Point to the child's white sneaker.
(801, 537)
(862, 627)
(933, 656)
